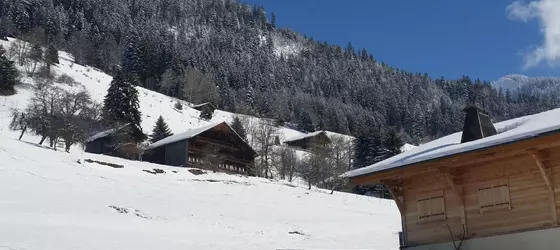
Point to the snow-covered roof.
(183, 136)
(105, 133)
(201, 105)
(302, 136)
(508, 131)
(407, 147)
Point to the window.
(431, 207)
(494, 197)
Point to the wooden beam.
(458, 191)
(548, 182)
(397, 197)
(541, 169)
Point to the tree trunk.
(309, 185)
(22, 132)
(68, 145)
(42, 139)
(333, 188)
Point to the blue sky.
(484, 39)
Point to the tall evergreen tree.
(393, 143)
(8, 74)
(305, 124)
(161, 130)
(238, 127)
(206, 113)
(51, 57)
(131, 59)
(36, 52)
(273, 20)
(121, 106)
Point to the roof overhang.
(476, 156)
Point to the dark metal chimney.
(477, 125)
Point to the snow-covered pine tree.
(131, 59)
(121, 106)
(305, 123)
(238, 127)
(161, 130)
(51, 57)
(35, 55)
(206, 113)
(8, 74)
(178, 105)
(392, 143)
(249, 97)
(361, 150)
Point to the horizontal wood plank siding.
(529, 198)
(421, 232)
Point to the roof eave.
(456, 154)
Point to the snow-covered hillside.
(152, 104)
(56, 200)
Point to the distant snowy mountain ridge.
(526, 84)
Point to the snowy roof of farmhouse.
(302, 136)
(104, 133)
(508, 131)
(185, 135)
(201, 104)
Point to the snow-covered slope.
(56, 200)
(152, 104)
(527, 84)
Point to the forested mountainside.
(233, 54)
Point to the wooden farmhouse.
(483, 188)
(308, 141)
(216, 146)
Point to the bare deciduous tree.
(199, 87)
(314, 168)
(19, 122)
(339, 160)
(461, 237)
(67, 114)
(79, 114)
(262, 139)
(285, 162)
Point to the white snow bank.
(51, 201)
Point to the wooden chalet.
(203, 106)
(482, 188)
(307, 141)
(215, 146)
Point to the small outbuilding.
(109, 142)
(216, 146)
(204, 106)
(317, 139)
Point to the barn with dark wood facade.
(307, 141)
(215, 146)
(106, 142)
(487, 187)
(205, 106)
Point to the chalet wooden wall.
(533, 204)
(428, 232)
